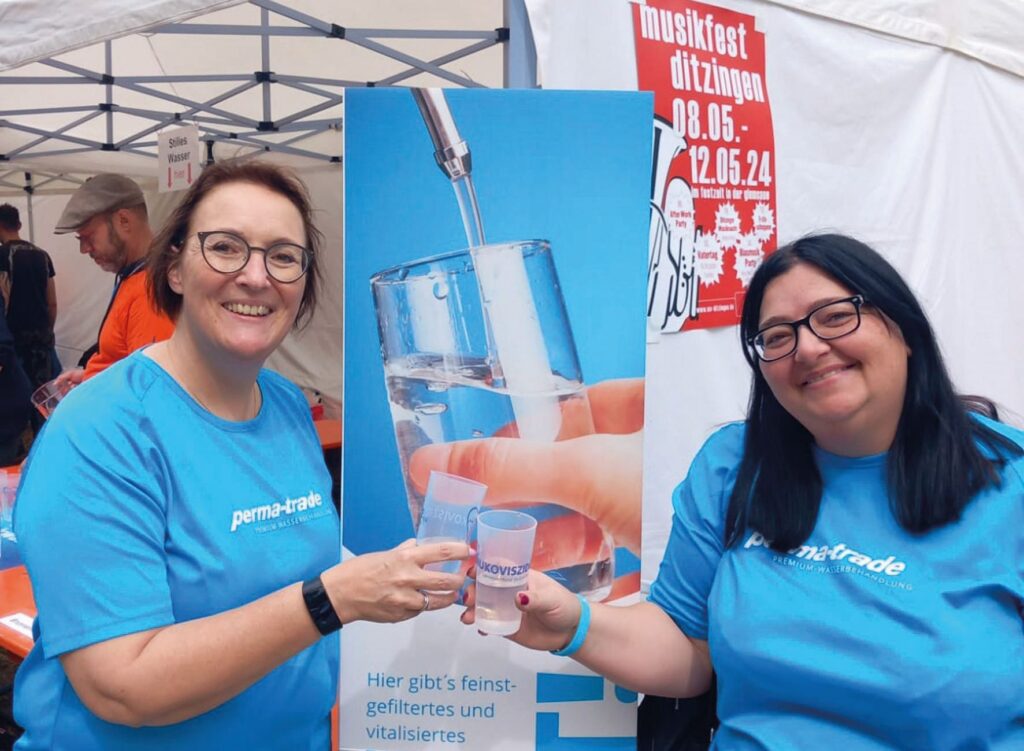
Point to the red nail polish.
(524, 600)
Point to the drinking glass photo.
(477, 343)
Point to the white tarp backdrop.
(896, 122)
(197, 61)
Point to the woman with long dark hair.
(849, 561)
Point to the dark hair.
(9, 217)
(934, 466)
(165, 251)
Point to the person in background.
(15, 393)
(175, 513)
(108, 216)
(848, 561)
(32, 297)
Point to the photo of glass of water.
(477, 344)
(505, 547)
(449, 514)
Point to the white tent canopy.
(86, 87)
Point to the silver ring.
(426, 601)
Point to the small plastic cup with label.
(449, 514)
(504, 549)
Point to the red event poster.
(713, 183)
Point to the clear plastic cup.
(449, 514)
(46, 397)
(504, 548)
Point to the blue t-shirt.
(867, 637)
(139, 509)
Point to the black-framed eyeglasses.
(228, 253)
(829, 321)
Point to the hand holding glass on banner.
(604, 482)
(477, 345)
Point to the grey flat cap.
(98, 195)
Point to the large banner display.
(508, 375)
(713, 184)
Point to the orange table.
(330, 433)
(17, 610)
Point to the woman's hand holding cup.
(392, 585)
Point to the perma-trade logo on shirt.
(838, 552)
(268, 511)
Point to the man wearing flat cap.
(108, 216)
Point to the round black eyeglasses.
(829, 321)
(228, 253)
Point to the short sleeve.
(696, 543)
(49, 266)
(90, 518)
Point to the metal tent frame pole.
(520, 58)
(218, 120)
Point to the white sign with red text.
(178, 154)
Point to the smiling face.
(847, 392)
(241, 316)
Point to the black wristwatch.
(320, 608)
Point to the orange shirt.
(132, 322)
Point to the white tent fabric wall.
(891, 137)
(73, 35)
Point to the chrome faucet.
(450, 151)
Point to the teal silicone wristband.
(581, 631)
